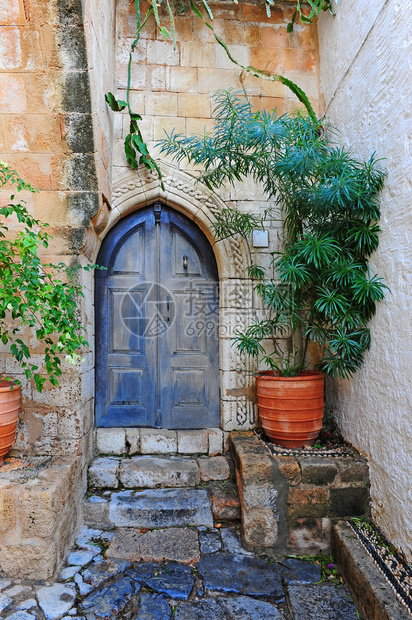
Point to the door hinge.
(157, 208)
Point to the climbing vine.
(136, 149)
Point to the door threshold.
(134, 441)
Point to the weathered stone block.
(125, 545)
(192, 442)
(150, 472)
(224, 572)
(215, 441)
(308, 502)
(111, 441)
(133, 440)
(96, 513)
(289, 467)
(318, 471)
(170, 545)
(370, 590)
(326, 602)
(349, 501)
(214, 468)
(161, 508)
(353, 470)
(193, 106)
(103, 473)
(157, 441)
(224, 501)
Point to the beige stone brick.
(273, 89)
(34, 132)
(156, 78)
(215, 441)
(181, 79)
(110, 440)
(12, 12)
(51, 207)
(162, 53)
(183, 29)
(205, 35)
(211, 80)
(266, 59)
(268, 103)
(237, 32)
(241, 53)
(161, 104)
(197, 55)
(256, 13)
(126, 20)
(274, 36)
(199, 125)
(192, 442)
(36, 168)
(193, 106)
(168, 123)
(153, 441)
(43, 93)
(2, 138)
(12, 94)
(138, 76)
(303, 61)
(10, 48)
(137, 103)
(303, 37)
(32, 54)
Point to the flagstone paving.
(225, 582)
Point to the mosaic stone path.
(224, 582)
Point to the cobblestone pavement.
(216, 580)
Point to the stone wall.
(366, 80)
(46, 134)
(58, 60)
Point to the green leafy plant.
(35, 294)
(319, 287)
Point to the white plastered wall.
(365, 68)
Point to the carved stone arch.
(136, 189)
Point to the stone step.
(160, 508)
(132, 441)
(153, 472)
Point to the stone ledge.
(289, 503)
(39, 516)
(369, 588)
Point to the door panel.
(156, 325)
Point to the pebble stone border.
(335, 451)
(394, 568)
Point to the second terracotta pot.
(291, 408)
(9, 415)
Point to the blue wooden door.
(156, 307)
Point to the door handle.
(184, 262)
(168, 303)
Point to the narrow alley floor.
(217, 580)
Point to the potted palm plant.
(33, 295)
(318, 288)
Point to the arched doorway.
(156, 305)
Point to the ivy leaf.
(117, 105)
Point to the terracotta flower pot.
(9, 414)
(291, 408)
